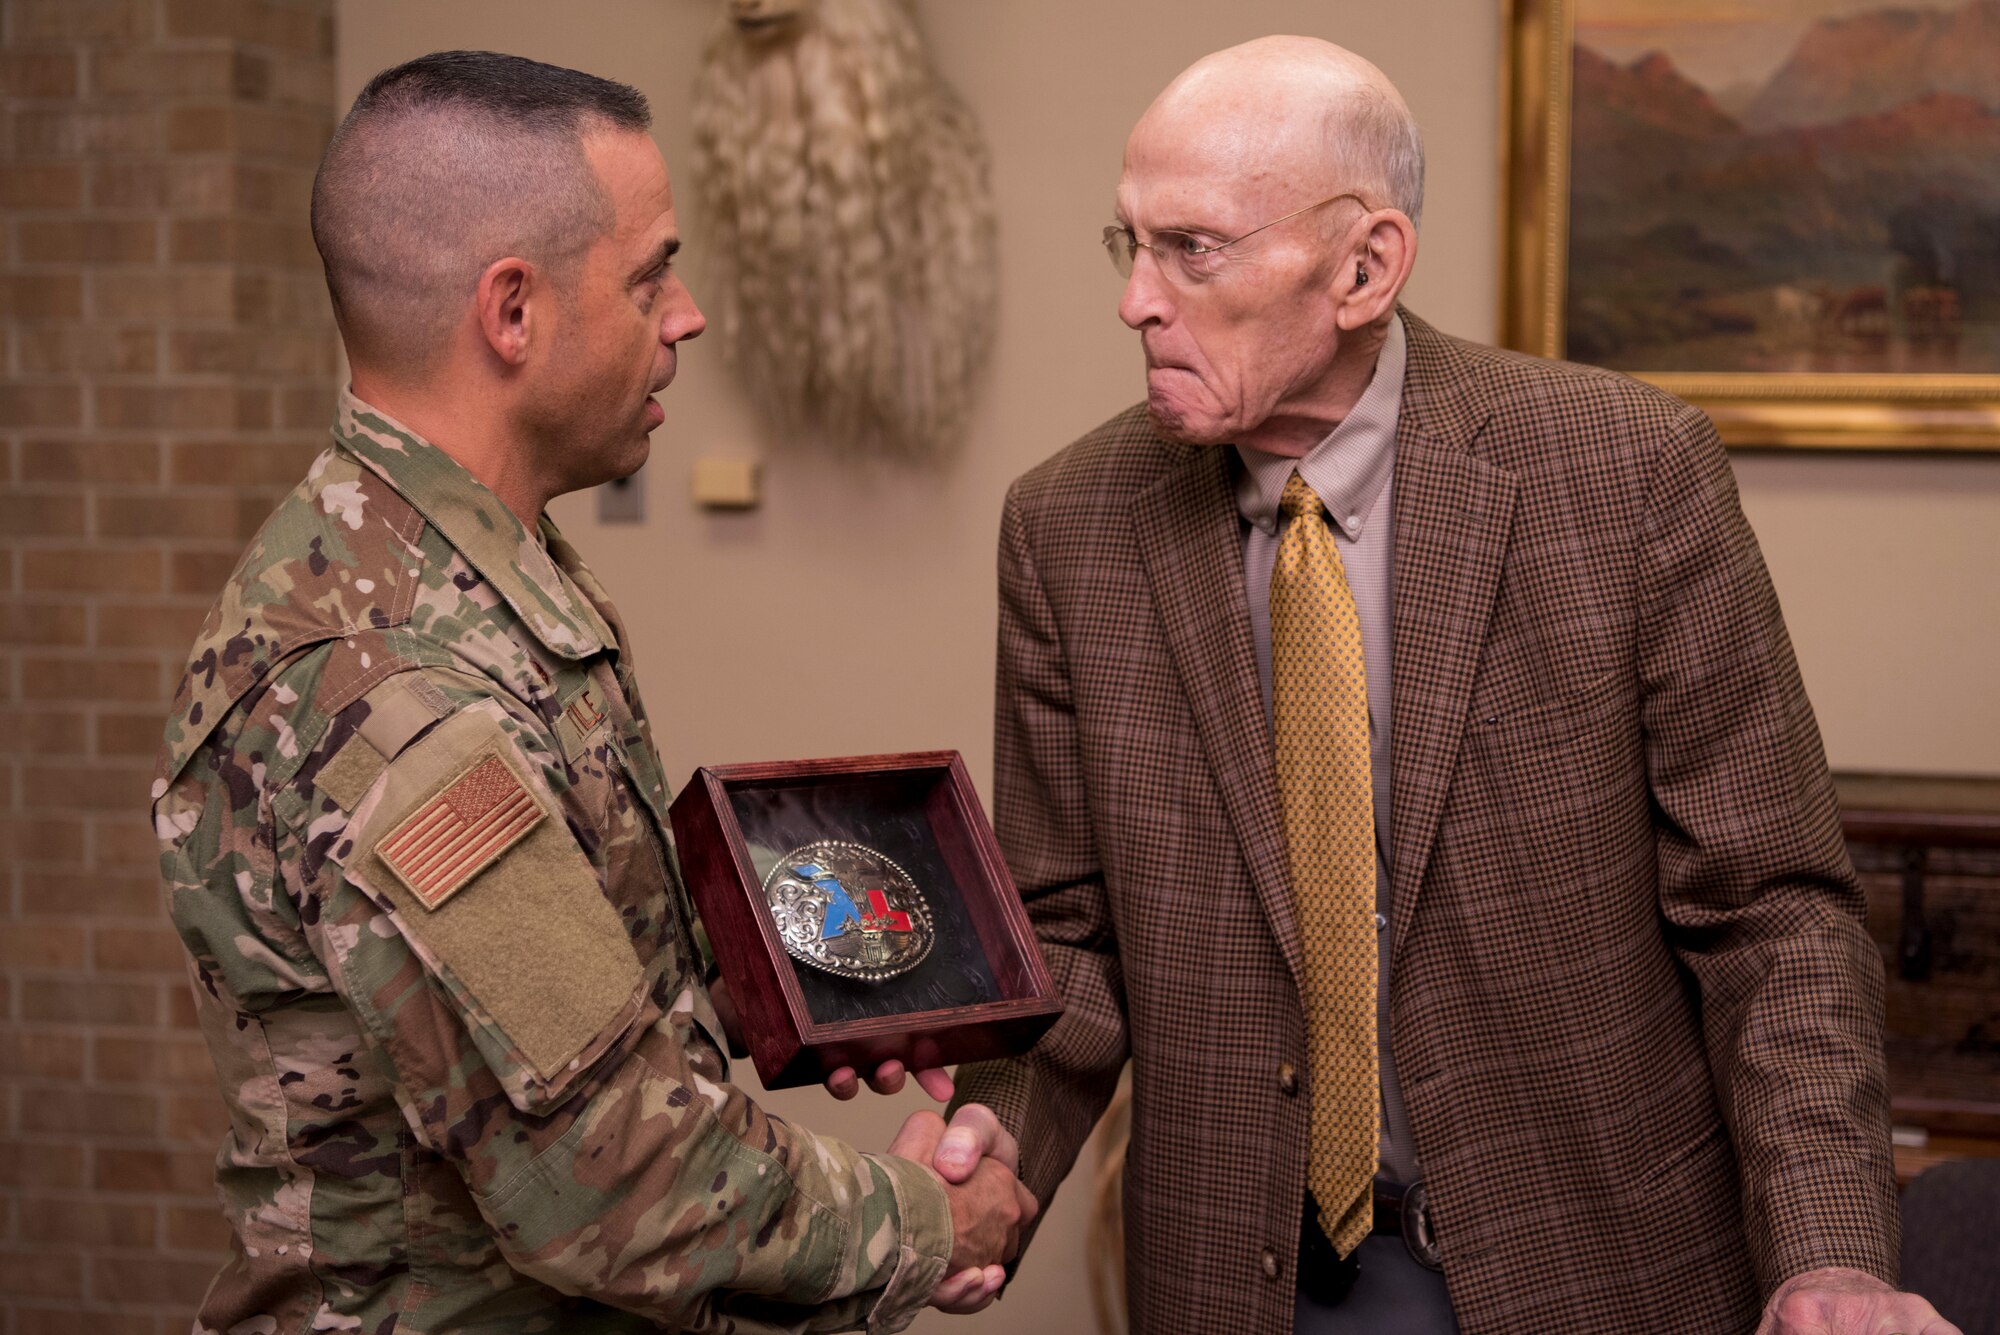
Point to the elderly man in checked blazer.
(1403, 759)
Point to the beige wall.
(1884, 566)
(1887, 570)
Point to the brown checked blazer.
(1637, 1020)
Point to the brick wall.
(166, 370)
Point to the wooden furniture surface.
(1912, 808)
(1928, 853)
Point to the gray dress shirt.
(1352, 472)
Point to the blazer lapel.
(1189, 537)
(1453, 514)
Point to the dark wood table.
(1928, 850)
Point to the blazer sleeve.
(1051, 1097)
(1759, 897)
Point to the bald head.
(1293, 109)
(445, 164)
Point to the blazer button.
(1288, 1079)
(1270, 1263)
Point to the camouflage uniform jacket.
(414, 841)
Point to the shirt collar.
(1349, 468)
(477, 524)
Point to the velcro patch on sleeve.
(537, 960)
(456, 834)
(399, 709)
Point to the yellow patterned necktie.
(1320, 698)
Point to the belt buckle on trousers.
(1325, 1276)
(1403, 1208)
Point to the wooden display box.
(749, 833)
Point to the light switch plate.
(726, 484)
(623, 500)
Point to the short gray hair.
(1377, 148)
(443, 165)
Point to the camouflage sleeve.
(574, 1085)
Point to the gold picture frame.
(1802, 410)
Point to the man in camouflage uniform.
(414, 823)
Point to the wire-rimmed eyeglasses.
(1181, 256)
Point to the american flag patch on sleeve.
(457, 834)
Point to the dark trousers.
(1393, 1295)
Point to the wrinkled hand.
(1848, 1302)
(989, 1206)
(888, 1079)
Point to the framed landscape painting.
(1786, 211)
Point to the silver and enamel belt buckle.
(849, 910)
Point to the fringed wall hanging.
(846, 224)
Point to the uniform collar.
(1349, 468)
(478, 525)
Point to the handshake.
(977, 1160)
(974, 1157)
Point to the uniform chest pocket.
(592, 795)
(633, 750)
(620, 797)
(611, 759)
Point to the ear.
(507, 305)
(1376, 270)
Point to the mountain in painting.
(1650, 94)
(1865, 64)
(1656, 164)
(1940, 143)
(1700, 240)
